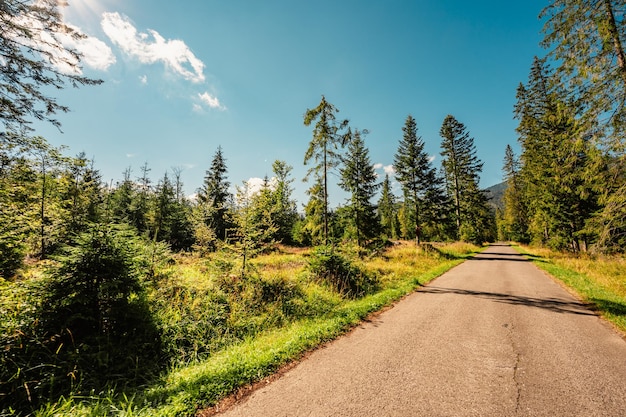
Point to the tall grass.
(598, 280)
(220, 330)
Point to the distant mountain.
(495, 194)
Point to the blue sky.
(182, 78)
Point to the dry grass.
(606, 271)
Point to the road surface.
(493, 337)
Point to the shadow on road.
(552, 304)
(498, 257)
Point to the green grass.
(297, 316)
(599, 281)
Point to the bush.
(93, 327)
(332, 268)
(11, 256)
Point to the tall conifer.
(215, 197)
(462, 169)
(419, 180)
(328, 136)
(358, 177)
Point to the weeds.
(342, 274)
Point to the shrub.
(93, 327)
(332, 268)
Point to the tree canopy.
(34, 55)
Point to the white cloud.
(151, 47)
(389, 169)
(432, 158)
(210, 101)
(143, 79)
(96, 54)
(255, 185)
(197, 108)
(54, 46)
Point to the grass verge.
(599, 281)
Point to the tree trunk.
(617, 43)
(325, 198)
(418, 229)
(43, 208)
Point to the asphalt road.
(493, 337)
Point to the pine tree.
(387, 211)
(419, 180)
(515, 216)
(328, 136)
(214, 196)
(358, 177)
(284, 212)
(462, 169)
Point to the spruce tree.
(285, 213)
(33, 50)
(313, 230)
(387, 211)
(121, 198)
(421, 185)
(140, 205)
(515, 216)
(81, 196)
(587, 41)
(254, 229)
(214, 196)
(358, 177)
(462, 170)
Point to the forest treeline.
(49, 200)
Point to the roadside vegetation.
(598, 280)
(206, 329)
